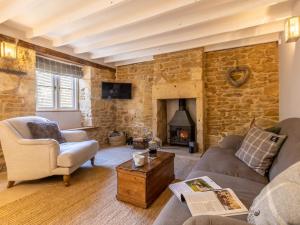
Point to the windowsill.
(71, 110)
(83, 128)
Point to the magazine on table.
(204, 197)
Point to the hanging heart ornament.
(237, 76)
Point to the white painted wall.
(66, 120)
(289, 75)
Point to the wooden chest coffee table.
(140, 186)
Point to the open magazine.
(204, 197)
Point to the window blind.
(66, 92)
(45, 90)
(45, 65)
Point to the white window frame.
(56, 89)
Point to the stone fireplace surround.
(187, 90)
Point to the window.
(55, 91)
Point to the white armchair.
(29, 159)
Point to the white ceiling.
(118, 32)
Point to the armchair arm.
(232, 141)
(213, 220)
(36, 141)
(27, 159)
(74, 135)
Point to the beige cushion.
(74, 153)
(278, 203)
(20, 124)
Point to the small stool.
(140, 143)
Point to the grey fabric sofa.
(221, 165)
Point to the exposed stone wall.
(135, 116)
(95, 111)
(230, 109)
(17, 92)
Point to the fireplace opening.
(181, 126)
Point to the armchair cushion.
(41, 130)
(74, 135)
(75, 153)
(20, 124)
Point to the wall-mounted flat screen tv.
(116, 90)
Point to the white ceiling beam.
(201, 42)
(7, 30)
(71, 16)
(244, 42)
(12, 8)
(147, 44)
(124, 18)
(229, 24)
(227, 45)
(132, 61)
(165, 8)
(185, 19)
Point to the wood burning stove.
(182, 126)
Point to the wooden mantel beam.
(54, 53)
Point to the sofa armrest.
(74, 135)
(232, 142)
(213, 220)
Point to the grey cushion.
(290, 150)
(223, 161)
(213, 220)
(75, 153)
(279, 201)
(259, 148)
(45, 130)
(176, 212)
(232, 142)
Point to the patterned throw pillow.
(45, 130)
(278, 203)
(259, 148)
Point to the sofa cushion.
(223, 161)
(278, 202)
(290, 150)
(259, 148)
(20, 124)
(75, 153)
(43, 130)
(176, 212)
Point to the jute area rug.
(90, 199)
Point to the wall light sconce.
(8, 50)
(292, 29)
